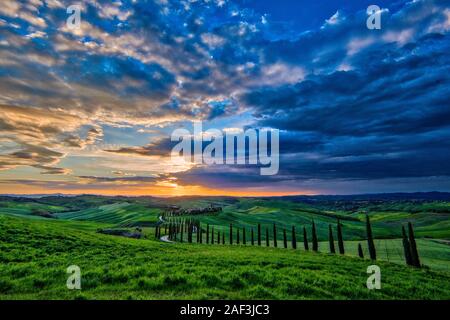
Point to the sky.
(91, 109)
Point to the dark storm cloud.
(352, 103)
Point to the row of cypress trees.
(179, 227)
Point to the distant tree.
(315, 242)
(253, 238)
(201, 235)
(331, 239)
(406, 248)
(360, 251)
(188, 231)
(412, 242)
(267, 237)
(259, 234)
(237, 235)
(156, 232)
(370, 243)
(181, 234)
(198, 233)
(275, 235)
(294, 238)
(305, 239)
(231, 233)
(207, 233)
(284, 238)
(212, 235)
(223, 238)
(218, 237)
(244, 241)
(340, 238)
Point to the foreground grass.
(34, 255)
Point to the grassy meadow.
(36, 249)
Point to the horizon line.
(215, 196)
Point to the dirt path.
(165, 239)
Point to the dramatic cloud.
(95, 106)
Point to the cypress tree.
(340, 238)
(223, 238)
(253, 238)
(267, 237)
(190, 233)
(237, 235)
(201, 235)
(259, 234)
(218, 237)
(244, 241)
(294, 238)
(275, 235)
(231, 233)
(198, 233)
(284, 238)
(314, 238)
(360, 251)
(156, 232)
(331, 239)
(370, 243)
(207, 233)
(305, 239)
(212, 235)
(412, 243)
(406, 248)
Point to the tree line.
(192, 230)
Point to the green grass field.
(35, 253)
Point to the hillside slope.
(34, 255)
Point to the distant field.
(120, 214)
(34, 255)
